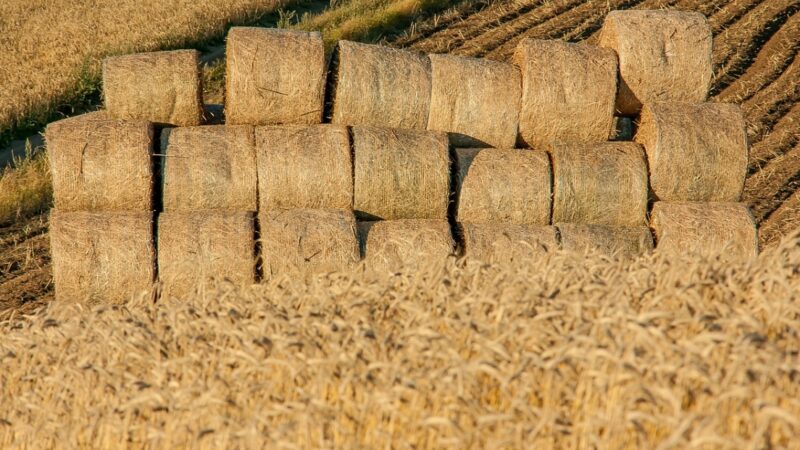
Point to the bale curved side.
(664, 56)
(308, 241)
(101, 258)
(304, 167)
(393, 245)
(401, 174)
(101, 164)
(197, 247)
(619, 242)
(274, 76)
(600, 184)
(380, 86)
(209, 168)
(568, 92)
(159, 87)
(705, 229)
(504, 243)
(475, 100)
(695, 152)
(501, 185)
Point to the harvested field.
(755, 52)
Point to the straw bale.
(274, 76)
(200, 246)
(600, 184)
(304, 166)
(101, 258)
(504, 243)
(705, 229)
(401, 174)
(664, 56)
(393, 245)
(475, 100)
(160, 87)
(696, 152)
(568, 92)
(308, 241)
(380, 86)
(503, 185)
(621, 242)
(101, 164)
(209, 168)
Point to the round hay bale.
(197, 247)
(568, 92)
(504, 243)
(401, 174)
(308, 241)
(101, 258)
(160, 87)
(664, 56)
(705, 229)
(101, 164)
(600, 184)
(274, 76)
(304, 166)
(475, 100)
(394, 245)
(619, 242)
(509, 186)
(209, 168)
(696, 152)
(380, 86)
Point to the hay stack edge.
(395, 160)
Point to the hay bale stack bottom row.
(419, 149)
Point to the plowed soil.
(755, 55)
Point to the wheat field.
(567, 352)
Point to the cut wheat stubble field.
(755, 55)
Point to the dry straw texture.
(475, 100)
(307, 242)
(209, 168)
(705, 229)
(568, 92)
(405, 245)
(101, 164)
(500, 185)
(664, 56)
(380, 86)
(696, 152)
(304, 167)
(601, 184)
(197, 247)
(401, 174)
(101, 258)
(504, 243)
(564, 352)
(274, 76)
(160, 87)
(621, 242)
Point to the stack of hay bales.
(396, 158)
(696, 151)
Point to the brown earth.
(756, 43)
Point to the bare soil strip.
(769, 188)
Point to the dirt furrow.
(781, 222)
(767, 189)
(771, 61)
(557, 27)
(736, 48)
(452, 18)
(473, 25)
(494, 37)
(784, 135)
(731, 13)
(765, 109)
